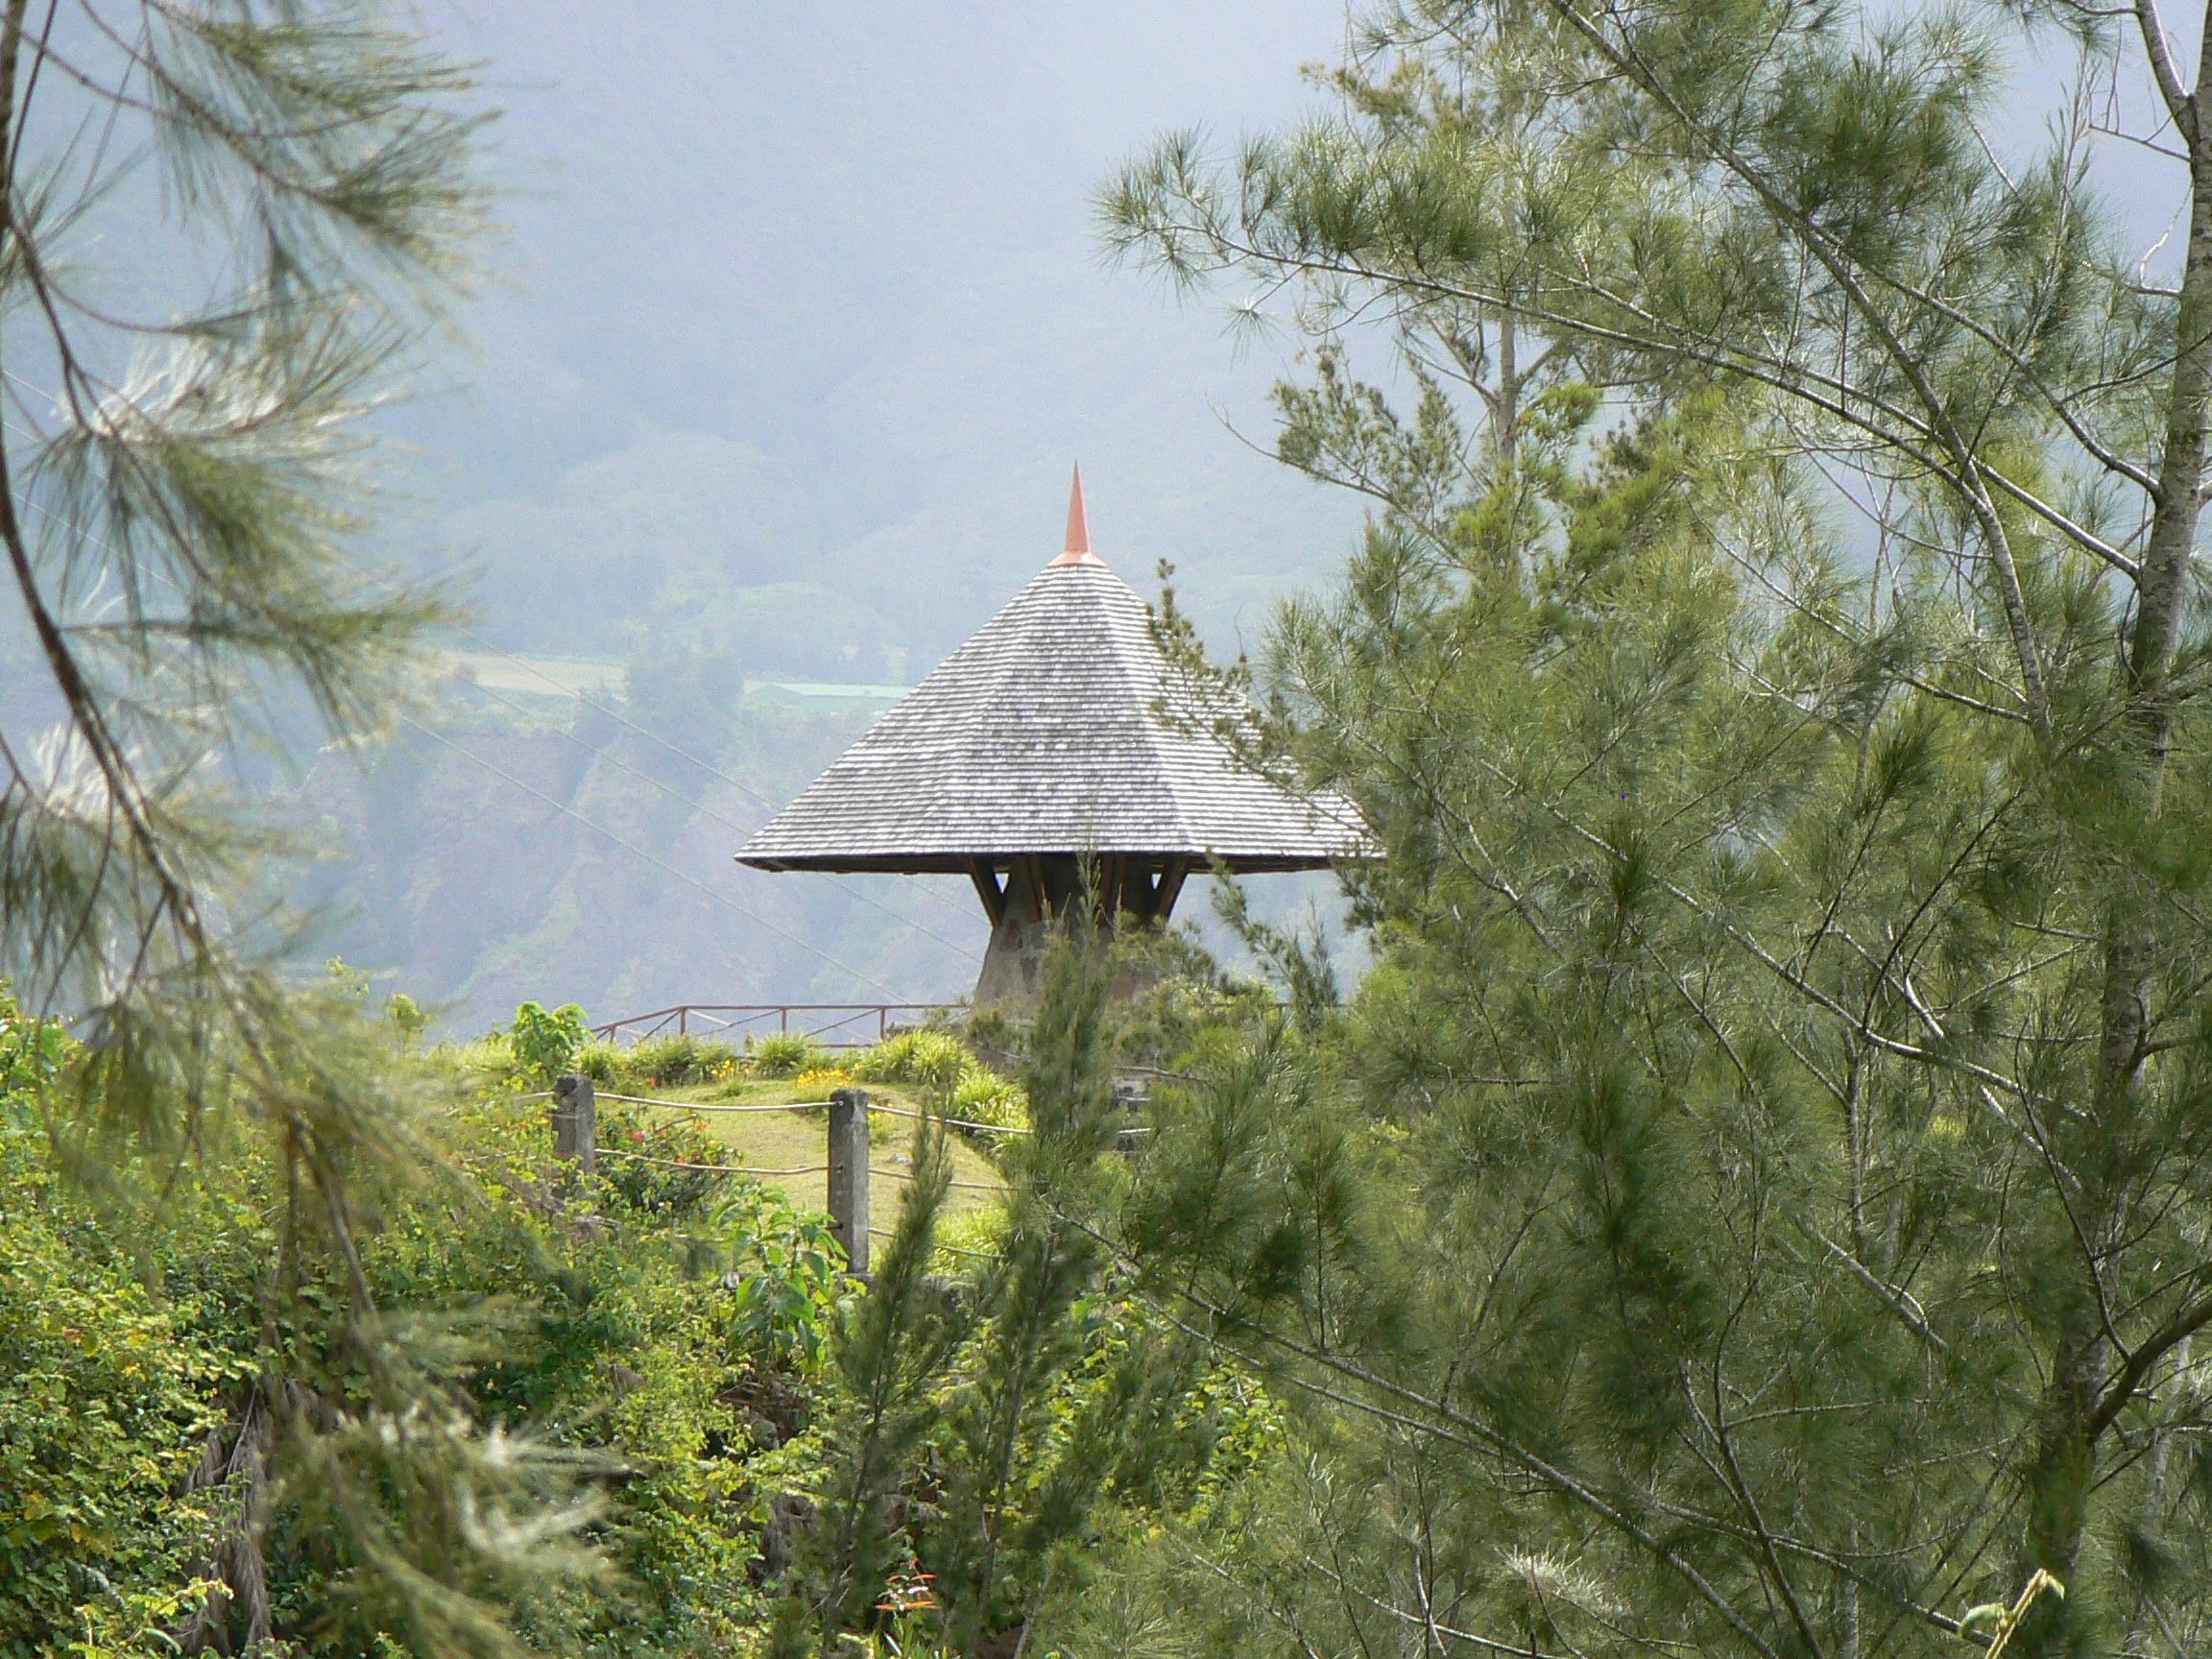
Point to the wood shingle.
(1061, 728)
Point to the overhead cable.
(719, 898)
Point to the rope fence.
(712, 1168)
(575, 1112)
(876, 1108)
(719, 1105)
(961, 1185)
(949, 1249)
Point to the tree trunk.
(2063, 1471)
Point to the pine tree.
(988, 1429)
(1762, 1211)
(225, 228)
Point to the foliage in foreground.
(993, 1434)
(225, 228)
(1756, 1204)
(641, 1346)
(107, 1398)
(673, 1362)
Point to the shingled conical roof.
(1058, 728)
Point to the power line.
(664, 787)
(709, 767)
(732, 825)
(658, 862)
(723, 899)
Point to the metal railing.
(833, 1024)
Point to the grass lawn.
(768, 1141)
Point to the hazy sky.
(861, 240)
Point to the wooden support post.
(576, 1122)
(988, 889)
(1171, 885)
(848, 1174)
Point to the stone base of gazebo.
(1031, 898)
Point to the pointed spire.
(1078, 551)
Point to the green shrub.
(985, 1097)
(672, 1061)
(993, 1030)
(788, 1277)
(546, 1043)
(655, 1188)
(633, 1339)
(786, 1055)
(964, 1240)
(880, 1062)
(602, 1061)
(407, 1015)
(677, 1059)
(486, 1062)
(935, 1059)
(1169, 1012)
(103, 1406)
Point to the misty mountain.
(798, 320)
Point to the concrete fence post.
(848, 1174)
(576, 1122)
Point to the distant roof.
(1059, 727)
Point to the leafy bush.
(657, 1188)
(407, 1015)
(786, 1055)
(485, 1064)
(544, 1044)
(996, 1032)
(788, 1278)
(676, 1059)
(984, 1098)
(103, 1406)
(669, 1061)
(967, 1237)
(602, 1061)
(1185, 1002)
(936, 1059)
(624, 1342)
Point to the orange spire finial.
(1078, 551)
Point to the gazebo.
(1057, 760)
